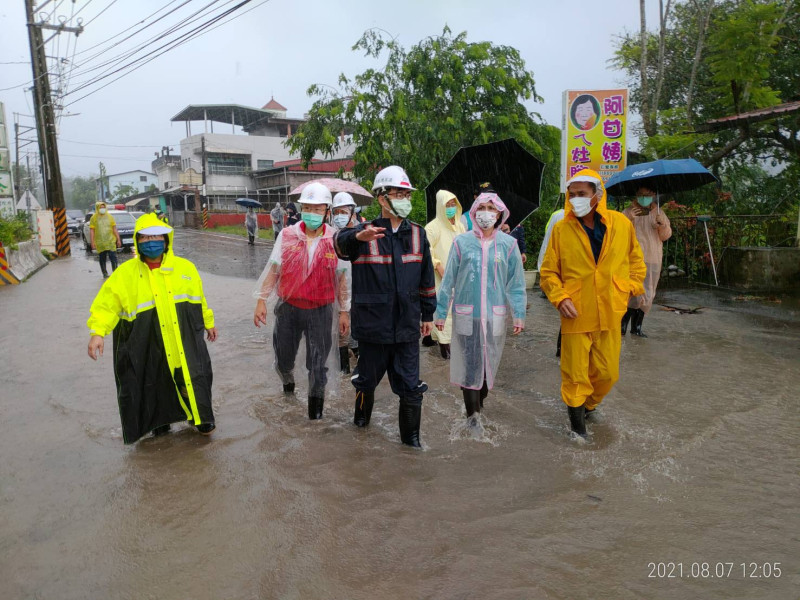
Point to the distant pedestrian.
(251, 224)
(104, 237)
(292, 216)
(276, 216)
(652, 230)
(155, 307)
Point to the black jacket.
(393, 286)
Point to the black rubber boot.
(161, 430)
(364, 403)
(315, 407)
(636, 323)
(577, 419)
(344, 360)
(472, 401)
(627, 317)
(484, 392)
(558, 345)
(444, 349)
(205, 428)
(410, 417)
(428, 342)
(590, 416)
(288, 388)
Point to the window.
(265, 164)
(143, 178)
(228, 164)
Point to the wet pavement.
(695, 461)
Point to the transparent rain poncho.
(483, 281)
(305, 286)
(251, 222)
(652, 230)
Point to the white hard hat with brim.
(155, 230)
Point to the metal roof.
(753, 116)
(245, 117)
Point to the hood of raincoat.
(498, 203)
(442, 198)
(151, 220)
(602, 208)
(97, 206)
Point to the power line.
(112, 3)
(111, 145)
(196, 32)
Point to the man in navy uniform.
(393, 301)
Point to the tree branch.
(727, 149)
(701, 36)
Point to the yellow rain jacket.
(600, 291)
(441, 233)
(158, 318)
(103, 225)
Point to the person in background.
(155, 307)
(652, 230)
(104, 237)
(251, 224)
(394, 297)
(276, 216)
(292, 216)
(344, 216)
(313, 298)
(593, 265)
(441, 232)
(548, 230)
(483, 278)
(518, 233)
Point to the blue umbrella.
(661, 176)
(248, 203)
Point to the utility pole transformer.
(46, 126)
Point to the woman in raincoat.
(343, 216)
(155, 307)
(652, 230)
(483, 278)
(251, 224)
(441, 232)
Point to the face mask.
(152, 248)
(450, 211)
(645, 201)
(581, 206)
(341, 221)
(401, 208)
(485, 219)
(102, 211)
(312, 220)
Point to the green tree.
(423, 104)
(123, 191)
(80, 192)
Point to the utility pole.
(46, 125)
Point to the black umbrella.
(515, 174)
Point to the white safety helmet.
(393, 176)
(315, 193)
(343, 199)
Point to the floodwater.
(695, 461)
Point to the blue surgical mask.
(645, 201)
(152, 248)
(450, 211)
(312, 220)
(341, 221)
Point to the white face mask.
(341, 221)
(102, 211)
(401, 208)
(581, 206)
(485, 218)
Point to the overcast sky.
(283, 46)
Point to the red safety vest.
(300, 286)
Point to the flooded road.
(696, 460)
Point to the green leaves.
(424, 103)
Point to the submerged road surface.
(688, 488)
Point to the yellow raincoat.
(600, 292)
(441, 233)
(158, 318)
(103, 225)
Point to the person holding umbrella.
(312, 296)
(343, 216)
(484, 276)
(394, 298)
(652, 230)
(593, 265)
(441, 232)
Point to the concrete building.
(139, 180)
(247, 141)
